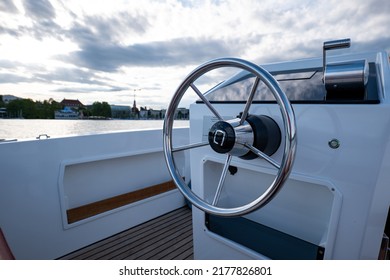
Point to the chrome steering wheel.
(236, 137)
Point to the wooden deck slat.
(130, 242)
(176, 249)
(165, 241)
(103, 247)
(148, 239)
(165, 237)
(187, 252)
(169, 250)
(133, 242)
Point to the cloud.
(10, 31)
(151, 45)
(78, 80)
(43, 16)
(13, 78)
(8, 6)
(9, 64)
(40, 10)
(75, 75)
(119, 25)
(38, 20)
(181, 51)
(62, 79)
(100, 29)
(90, 89)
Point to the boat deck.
(168, 237)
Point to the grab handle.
(331, 45)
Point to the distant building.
(163, 112)
(154, 114)
(72, 103)
(182, 114)
(67, 114)
(3, 112)
(71, 109)
(120, 112)
(143, 113)
(146, 113)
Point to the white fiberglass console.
(267, 183)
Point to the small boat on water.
(287, 160)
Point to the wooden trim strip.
(98, 207)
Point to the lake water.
(25, 129)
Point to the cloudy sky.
(99, 50)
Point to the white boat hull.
(43, 179)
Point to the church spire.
(134, 103)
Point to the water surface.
(26, 129)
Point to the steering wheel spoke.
(189, 146)
(263, 155)
(208, 104)
(249, 101)
(222, 180)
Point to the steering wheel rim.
(289, 129)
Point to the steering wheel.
(246, 136)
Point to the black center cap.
(222, 137)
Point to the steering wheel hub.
(230, 137)
(222, 137)
(233, 138)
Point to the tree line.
(29, 109)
